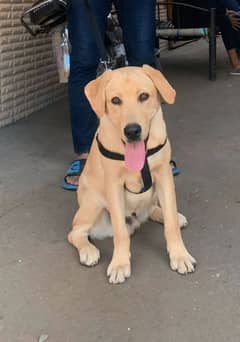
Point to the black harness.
(145, 172)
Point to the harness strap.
(108, 154)
(145, 172)
(146, 177)
(153, 150)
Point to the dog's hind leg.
(157, 216)
(84, 219)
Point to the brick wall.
(28, 75)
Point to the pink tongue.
(135, 156)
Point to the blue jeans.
(137, 19)
(230, 37)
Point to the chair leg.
(212, 45)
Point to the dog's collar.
(145, 172)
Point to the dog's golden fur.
(104, 202)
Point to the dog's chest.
(134, 200)
(134, 182)
(137, 182)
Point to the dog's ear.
(96, 94)
(162, 85)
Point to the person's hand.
(234, 18)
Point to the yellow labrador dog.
(127, 178)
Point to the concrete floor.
(43, 288)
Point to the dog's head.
(130, 97)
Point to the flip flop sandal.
(175, 169)
(77, 166)
(75, 169)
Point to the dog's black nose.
(133, 131)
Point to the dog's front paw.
(118, 272)
(182, 221)
(181, 261)
(89, 255)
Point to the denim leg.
(84, 58)
(137, 19)
(231, 4)
(237, 39)
(228, 35)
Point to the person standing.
(137, 20)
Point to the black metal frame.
(211, 34)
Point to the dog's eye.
(143, 97)
(116, 101)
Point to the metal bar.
(212, 45)
(183, 5)
(174, 33)
(183, 44)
